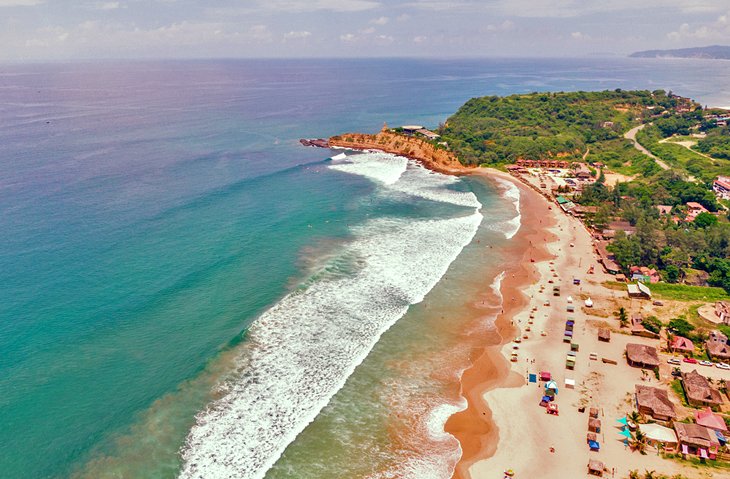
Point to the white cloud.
(107, 6)
(718, 30)
(579, 36)
(297, 35)
(20, 3)
(420, 39)
(505, 26)
(380, 21)
(348, 37)
(296, 6)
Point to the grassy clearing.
(679, 292)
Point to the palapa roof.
(709, 419)
(604, 333)
(594, 465)
(656, 400)
(594, 423)
(698, 388)
(695, 435)
(640, 353)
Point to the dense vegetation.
(716, 144)
(493, 129)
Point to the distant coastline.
(712, 52)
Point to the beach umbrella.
(626, 433)
(622, 421)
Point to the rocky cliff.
(431, 157)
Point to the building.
(604, 334)
(411, 129)
(638, 290)
(638, 329)
(698, 391)
(696, 440)
(710, 420)
(694, 209)
(641, 356)
(606, 258)
(428, 134)
(722, 311)
(644, 274)
(582, 171)
(721, 187)
(654, 402)
(664, 209)
(717, 346)
(680, 344)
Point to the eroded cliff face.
(411, 147)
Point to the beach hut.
(570, 299)
(595, 467)
(604, 334)
(567, 339)
(574, 346)
(594, 446)
(594, 425)
(545, 376)
(570, 362)
(571, 308)
(569, 383)
(552, 408)
(591, 436)
(593, 412)
(551, 386)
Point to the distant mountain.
(716, 52)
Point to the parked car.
(674, 361)
(722, 365)
(706, 363)
(690, 360)
(676, 373)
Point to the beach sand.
(504, 427)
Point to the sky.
(32, 30)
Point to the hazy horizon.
(51, 30)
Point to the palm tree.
(634, 474)
(635, 417)
(639, 442)
(649, 474)
(623, 317)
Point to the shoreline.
(474, 427)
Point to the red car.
(690, 360)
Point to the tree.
(652, 324)
(704, 220)
(623, 317)
(680, 327)
(639, 442)
(672, 274)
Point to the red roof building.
(681, 344)
(711, 420)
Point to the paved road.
(631, 135)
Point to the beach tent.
(552, 385)
(545, 376)
(570, 383)
(589, 303)
(532, 378)
(570, 299)
(595, 467)
(594, 445)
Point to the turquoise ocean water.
(151, 213)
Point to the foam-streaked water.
(152, 211)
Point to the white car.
(705, 363)
(722, 365)
(674, 361)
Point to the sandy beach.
(504, 427)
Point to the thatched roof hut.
(595, 467)
(594, 425)
(642, 356)
(604, 334)
(654, 402)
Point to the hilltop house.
(644, 274)
(694, 209)
(655, 403)
(721, 187)
(717, 346)
(699, 392)
(722, 311)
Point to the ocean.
(188, 292)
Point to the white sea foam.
(381, 167)
(415, 180)
(512, 226)
(300, 352)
